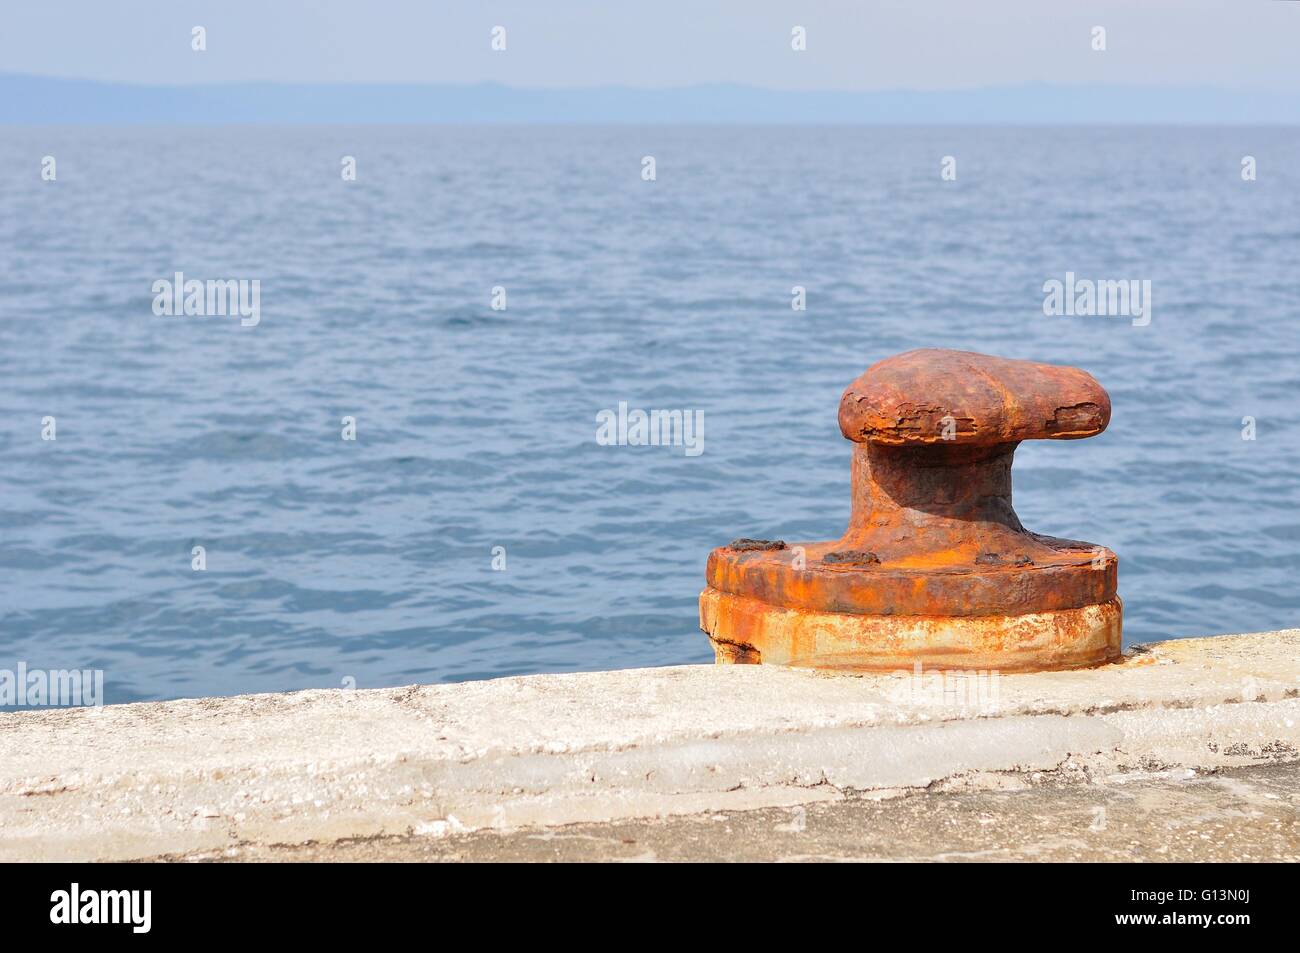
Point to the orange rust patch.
(744, 630)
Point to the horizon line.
(834, 90)
(32, 99)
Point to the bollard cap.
(904, 400)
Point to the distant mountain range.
(36, 100)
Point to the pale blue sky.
(869, 44)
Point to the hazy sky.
(868, 44)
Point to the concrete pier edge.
(208, 775)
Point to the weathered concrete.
(208, 774)
(1236, 816)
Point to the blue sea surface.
(369, 562)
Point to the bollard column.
(935, 566)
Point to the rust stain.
(932, 533)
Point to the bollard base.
(745, 630)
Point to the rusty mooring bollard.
(934, 567)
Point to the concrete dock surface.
(1237, 815)
(1184, 750)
